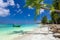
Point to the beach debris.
(56, 35)
(56, 31)
(53, 29)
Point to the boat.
(16, 25)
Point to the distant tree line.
(55, 19)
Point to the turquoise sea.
(8, 28)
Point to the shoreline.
(28, 35)
(31, 36)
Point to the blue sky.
(12, 11)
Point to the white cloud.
(11, 2)
(18, 6)
(2, 4)
(41, 11)
(29, 15)
(19, 11)
(5, 4)
(3, 11)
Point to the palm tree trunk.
(55, 21)
(49, 9)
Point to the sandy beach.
(42, 34)
(36, 34)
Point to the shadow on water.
(16, 32)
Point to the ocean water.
(8, 28)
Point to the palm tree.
(58, 20)
(50, 21)
(55, 7)
(34, 3)
(44, 20)
(37, 5)
(55, 15)
(56, 4)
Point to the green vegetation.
(34, 4)
(56, 15)
(54, 8)
(44, 20)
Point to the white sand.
(8, 37)
(37, 36)
(31, 36)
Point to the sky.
(13, 12)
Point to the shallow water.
(8, 32)
(8, 28)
